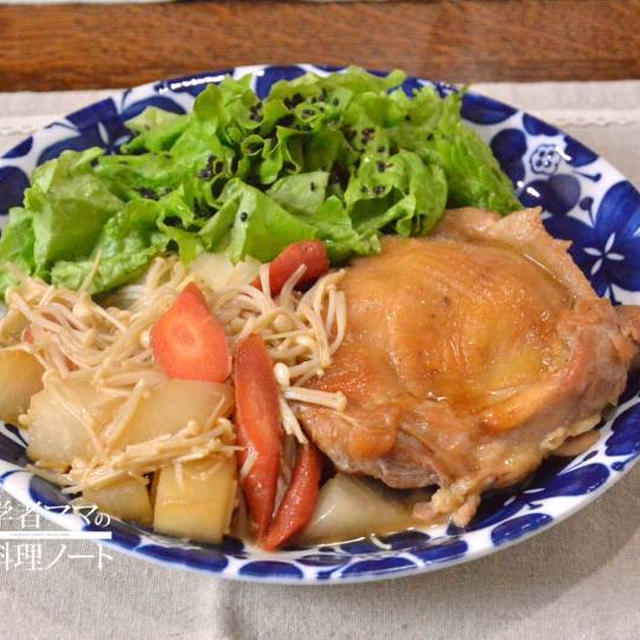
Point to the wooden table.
(90, 46)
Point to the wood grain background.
(91, 46)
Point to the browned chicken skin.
(469, 356)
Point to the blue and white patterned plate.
(584, 199)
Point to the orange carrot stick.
(299, 501)
(188, 342)
(258, 428)
(311, 253)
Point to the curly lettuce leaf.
(255, 224)
(305, 195)
(302, 193)
(62, 216)
(127, 242)
(69, 204)
(16, 246)
(435, 131)
(344, 158)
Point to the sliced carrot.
(299, 500)
(258, 428)
(188, 342)
(312, 253)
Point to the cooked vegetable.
(298, 502)
(258, 429)
(339, 158)
(126, 244)
(308, 177)
(188, 342)
(63, 213)
(146, 422)
(20, 378)
(217, 271)
(196, 500)
(171, 405)
(350, 507)
(12, 326)
(310, 253)
(126, 499)
(61, 420)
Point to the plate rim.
(229, 571)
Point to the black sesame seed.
(349, 134)
(207, 172)
(202, 210)
(293, 101)
(147, 193)
(340, 176)
(312, 186)
(363, 189)
(380, 166)
(256, 113)
(287, 121)
(367, 134)
(378, 189)
(335, 102)
(430, 137)
(244, 216)
(216, 188)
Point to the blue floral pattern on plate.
(583, 199)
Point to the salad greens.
(341, 158)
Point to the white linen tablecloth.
(579, 580)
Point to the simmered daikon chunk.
(198, 501)
(61, 419)
(172, 404)
(20, 378)
(349, 507)
(126, 499)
